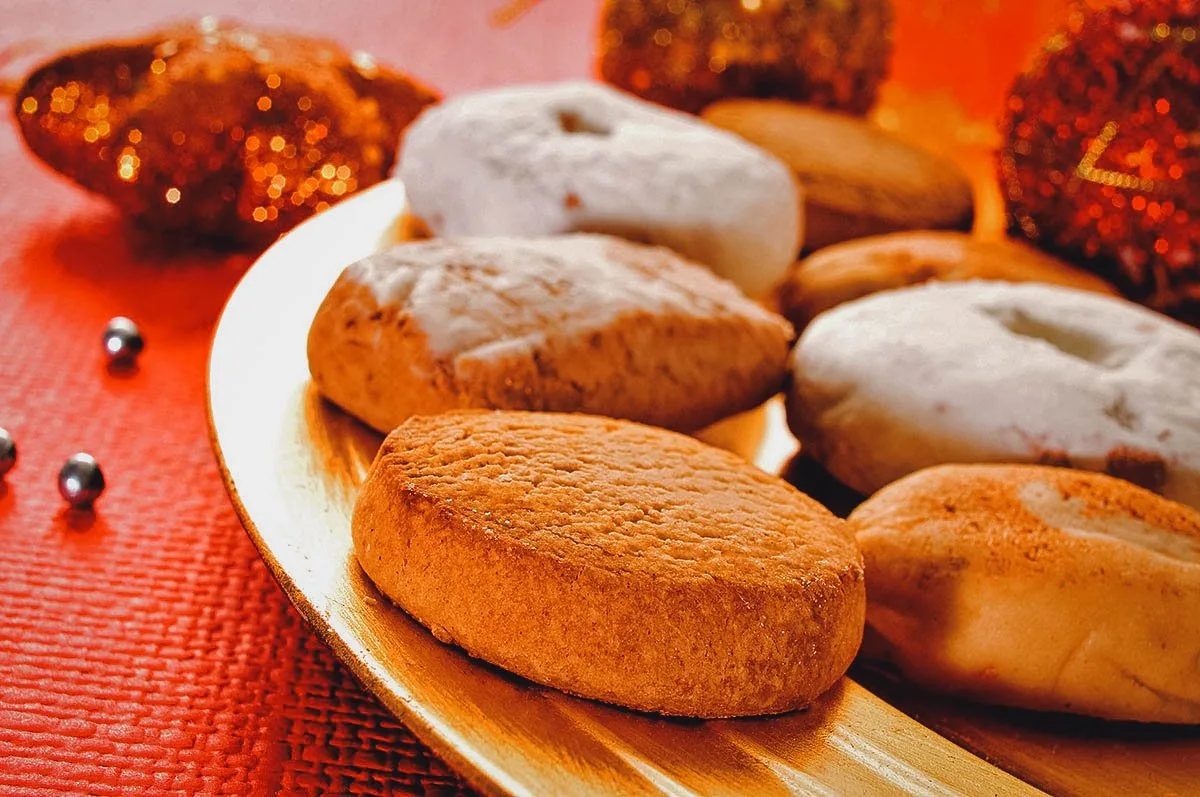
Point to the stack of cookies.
(582, 303)
(596, 286)
(955, 381)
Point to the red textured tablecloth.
(146, 648)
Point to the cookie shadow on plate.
(341, 446)
(946, 713)
(810, 477)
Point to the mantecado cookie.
(1037, 587)
(581, 156)
(857, 178)
(996, 372)
(854, 269)
(613, 560)
(586, 323)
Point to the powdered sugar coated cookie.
(995, 372)
(579, 156)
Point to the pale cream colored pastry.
(613, 560)
(587, 323)
(1037, 587)
(583, 156)
(857, 179)
(999, 372)
(853, 269)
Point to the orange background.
(146, 647)
(970, 50)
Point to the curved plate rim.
(478, 773)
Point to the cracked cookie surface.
(613, 560)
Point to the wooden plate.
(293, 463)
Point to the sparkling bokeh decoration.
(1101, 161)
(215, 131)
(688, 54)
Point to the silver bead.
(122, 341)
(8, 452)
(80, 481)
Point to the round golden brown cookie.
(857, 178)
(1038, 587)
(612, 560)
(853, 269)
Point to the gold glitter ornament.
(689, 53)
(214, 131)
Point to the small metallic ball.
(80, 481)
(8, 452)
(122, 341)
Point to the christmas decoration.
(1102, 155)
(8, 452)
(122, 341)
(80, 481)
(215, 131)
(686, 54)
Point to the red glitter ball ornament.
(1101, 160)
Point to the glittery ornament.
(122, 341)
(218, 132)
(687, 54)
(80, 481)
(8, 452)
(1102, 155)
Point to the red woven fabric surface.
(146, 648)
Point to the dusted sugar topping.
(1074, 515)
(487, 298)
(992, 372)
(582, 157)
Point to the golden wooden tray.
(293, 463)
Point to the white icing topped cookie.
(990, 372)
(496, 297)
(569, 323)
(540, 160)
